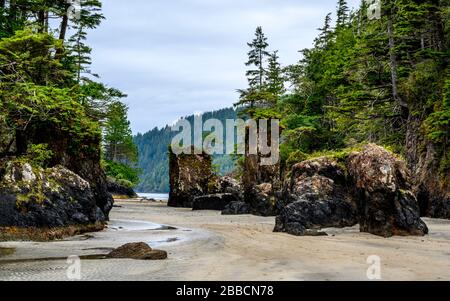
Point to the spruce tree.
(325, 33)
(256, 58)
(119, 146)
(275, 79)
(342, 13)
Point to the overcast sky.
(179, 57)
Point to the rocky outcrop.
(193, 184)
(261, 199)
(191, 176)
(213, 201)
(230, 185)
(387, 206)
(120, 190)
(429, 177)
(315, 197)
(261, 184)
(305, 217)
(236, 208)
(139, 251)
(79, 154)
(54, 197)
(369, 187)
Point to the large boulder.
(230, 185)
(139, 251)
(305, 217)
(54, 197)
(387, 206)
(191, 176)
(236, 208)
(316, 196)
(262, 199)
(213, 201)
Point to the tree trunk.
(260, 70)
(64, 25)
(41, 20)
(46, 25)
(21, 143)
(393, 63)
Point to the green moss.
(36, 190)
(340, 155)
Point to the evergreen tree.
(256, 58)
(342, 13)
(275, 79)
(325, 33)
(118, 139)
(256, 93)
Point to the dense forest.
(53, 109)
(153, 154)
(373, 75)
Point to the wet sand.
(204, 245)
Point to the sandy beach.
(204, 245)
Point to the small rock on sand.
(140, 251)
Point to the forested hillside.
(153, 154)
(369, 77)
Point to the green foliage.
(33, 90)
(118, 139)
(363, 83)
(46, 88)
(437, 125)
(122, 173)
(39, 154)
(265, 81)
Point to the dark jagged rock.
(213, 201)
(230, 185)
(260, 182)
(303, 217)
(139, 251)
(236, 208)
(191, 176)
(55, 197)
(262, 200)
(316, 197)
(119, 190)
(387, 207)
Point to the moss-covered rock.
(316, 195)
(191, 176)
(387, 206)
(370, 186)
(46, 198)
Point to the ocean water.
(156, 196)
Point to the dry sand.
(208, 246)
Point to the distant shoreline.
(156, 196)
